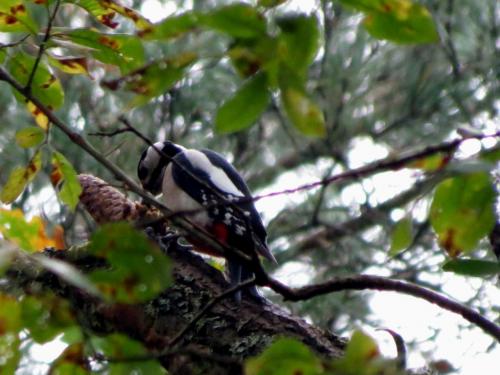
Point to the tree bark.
(220, 340)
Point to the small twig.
(319, 202)
(41, 48)
(378, 166)
(13, 44)
(400, 347)
(110, 134)
(208, 306)
(449, 46)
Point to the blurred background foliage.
(377, 99)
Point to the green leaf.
(153, 79)
(362, 357)
(10, 353)
(45, 86)
(7, 253)
(140, 22)
(173, 26)
(30, 137)
(3, 55)
(28, 235)
(472, 267)
(10, 315)
(251, 56)
(236, 20)
(46, 316)
(120, 346)
(245, 106)
(462, 211)
(304, 114)
(121, 50)
(285, 356)
(14, 227)
(299, 42)
(400, 21)
(431, 163)
(105, 10)
(72, 335)
(491, 155)
(361, 348)
(10, 326)
(139, 271)
(401, 236)
(68, 273)
(71, 188)
(73, 360)
(103, 14)
(19, 178)
(270, 3)
(15, 17)
(17, 181)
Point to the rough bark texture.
(216, 344)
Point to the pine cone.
(106, 204)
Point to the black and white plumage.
(202, 183)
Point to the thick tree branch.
(190, 326)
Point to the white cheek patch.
(153, 154)
(216, 174)
(152, 158)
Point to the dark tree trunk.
(219, 341)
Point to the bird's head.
(153, 162)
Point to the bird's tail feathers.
(263, 250)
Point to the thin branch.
(363, 282)
(321, 196)
(379, 166)
(448, 44)
(110, 134)
(400, 347)
(41, 48)
(208, 306)
(14, 44)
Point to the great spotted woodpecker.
(203, 185)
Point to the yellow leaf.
(30, 235)
(40, 118)
(70, 65)
(19, 178)
(43, 240)
(140, 22)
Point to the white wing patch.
(218, 177)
